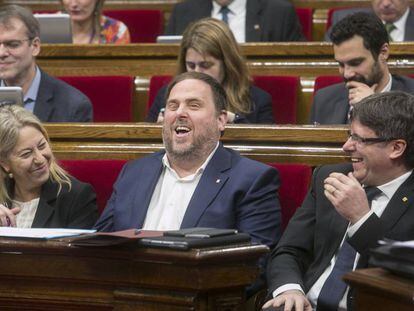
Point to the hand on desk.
(8, 216)
(291, 300)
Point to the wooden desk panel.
(379, 290)
(51, 275)
(306, 60)
(290, 144)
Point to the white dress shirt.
(171, 197)
(237, 18)
(378, 206)
(398, 33)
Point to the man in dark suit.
(361, 48)
(250, 20)
(195, 182)
(336, 218)
(51, 100)
(395, 13)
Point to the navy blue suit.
(233, 192)
(261, 113)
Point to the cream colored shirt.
(171, 197)
(236, 16)
(398, 33)
(24, 219)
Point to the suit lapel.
(43, 108)
(400, 201)
(46, 207)
(409, 27)
(211, 182)
(253, 17)
(151, 173)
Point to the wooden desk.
(50, 275)
(306, 60)
(290, 144)
(380, 290)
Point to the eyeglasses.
(367, 140)
(11, 45)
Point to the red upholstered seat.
(324, 81)
(101, 174)
(283, 89)
(111, 96)
(284, 92)
(295, 180)
(305, 16)
(144, 25)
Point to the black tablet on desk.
(186, 243)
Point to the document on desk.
(41, 233)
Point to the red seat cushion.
(284, 92)
(111, 96)
(295, 180)
(283, 89)
(143, 25)
(101, 174)
(305, 16)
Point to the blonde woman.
(34, 191)
(89, 25)
(209, 46)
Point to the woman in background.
(35, 192)
(209, 46)
(90, 26)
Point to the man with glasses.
(50, 99)
(361, 48)
(349, 208)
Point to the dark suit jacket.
(340, 14)
(316, 231)
(331, 105)
(233, 192)
(57, 101)
(74, 209)
(266, 20)
(262, 107)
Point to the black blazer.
(262, 110)
(57, 101)
(331, 104)
(70, 209)
(316, 231)
(266, 20)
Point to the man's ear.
(384, 53)
(35, 46)
(222, 120)
(398, 148)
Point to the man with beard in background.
(361, 48)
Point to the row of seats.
(101, 174)
(146, 25)
(112, 96)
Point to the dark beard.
(374, 77)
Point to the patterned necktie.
(225, 14)
(390, 27)
(334, 288)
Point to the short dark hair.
(9, 12)
(366, 25)
(219, 95)
(389, 115)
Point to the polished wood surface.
(380, 290)
(306, 60)
(39, 275)
(291, 144)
